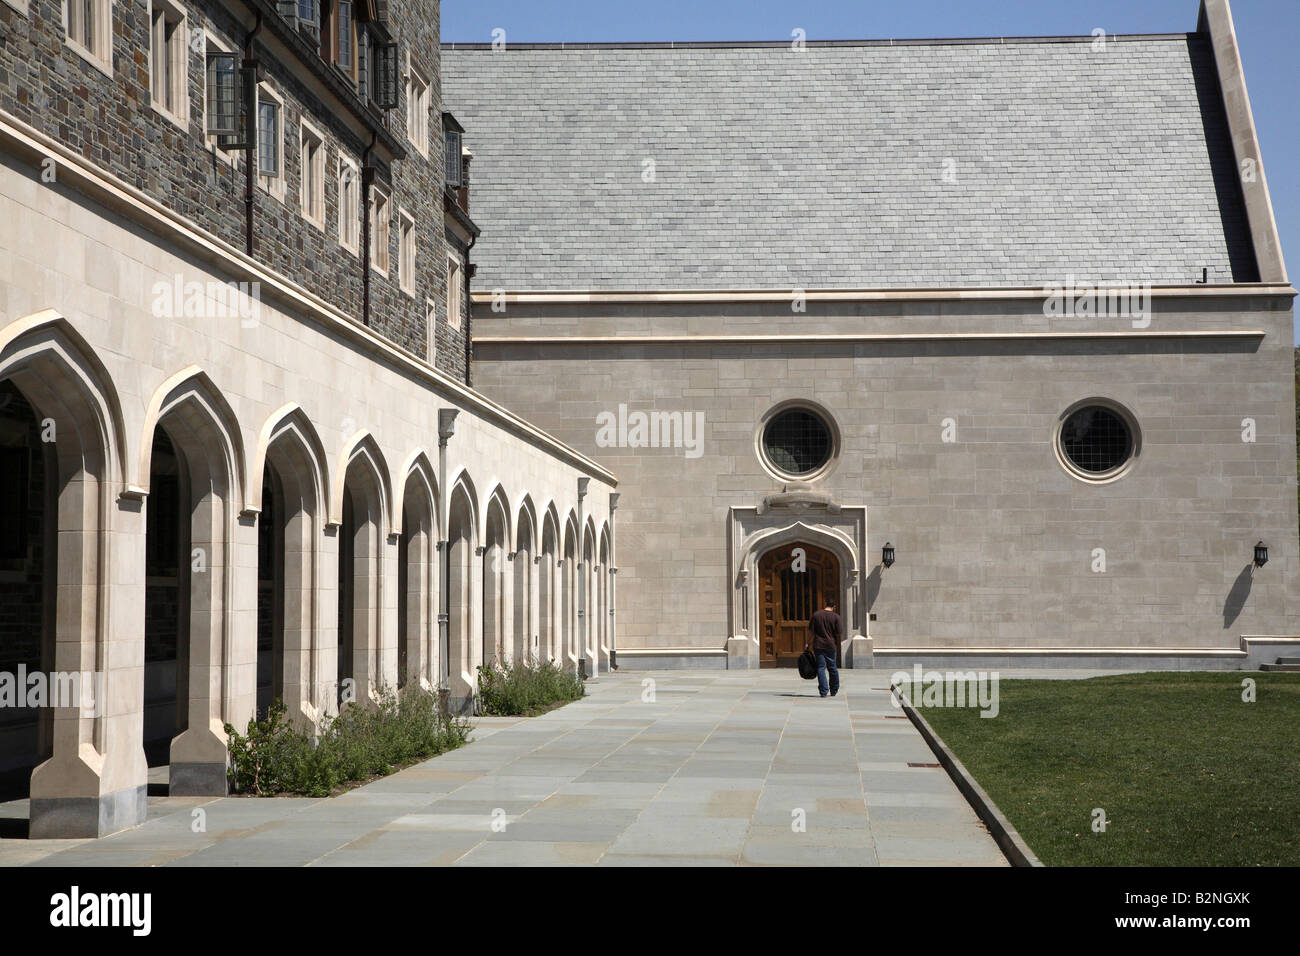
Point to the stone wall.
(995, 539)
(110, 121)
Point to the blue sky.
(1266, 31)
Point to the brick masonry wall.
(111, 122)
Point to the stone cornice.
(741, 339)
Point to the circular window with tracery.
(1097, 441)
(797, 442)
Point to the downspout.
(613, 572)
(250, 157)
(580, 559)
(446, 428)
(469, 315)
(367, 178)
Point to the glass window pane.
(345, 34)
(268, 140)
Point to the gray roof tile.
(825, 168)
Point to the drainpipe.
(469, 314)
(613, 573)
(580, 557)
(446, 428)
(367, 180)
(250, 155)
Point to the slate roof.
(777, 169)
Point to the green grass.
(1187, 773)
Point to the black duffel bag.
(807, 664)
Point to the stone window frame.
(179, 54)
(349, 239)
(271, 185)
(406, 262)
(1120, 411)
(228, 156)
(381, 221)
(417, 108)
(308, 131)
(455, 302)
(19, 5)
(98, 51)
(815, 409)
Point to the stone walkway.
(712, 769)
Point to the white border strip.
(562, 339)
(922, 294)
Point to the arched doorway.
(794, 580)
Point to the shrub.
(361, 742)
(525, 687)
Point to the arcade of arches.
(188, 608)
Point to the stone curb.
(1010, 842)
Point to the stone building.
(240, 454)
(282, 323)
(988, 340)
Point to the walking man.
(826, 631)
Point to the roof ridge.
(786, 44)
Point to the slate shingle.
(849, 166)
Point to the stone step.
(1293, 668)
(1288, 660)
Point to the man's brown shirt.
(825, 626)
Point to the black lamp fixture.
(887, 555)
(1261, 554)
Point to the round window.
(1096, 440)
(797, 442)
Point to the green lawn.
(1187, 773)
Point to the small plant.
(525, 687)
(364, 740)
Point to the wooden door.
(794, 581)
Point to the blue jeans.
(826, 662)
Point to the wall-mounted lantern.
(887, 555)
(1261, 554)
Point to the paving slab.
(731, 768)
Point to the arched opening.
(288, 614)
(525, 639)
(270, 593)
(93, 780)
(547, 649)
(568, 599)
(417, 638)
(589, 597)
(494, 584)
(28, 498)
(345, 658)
(361, 570)
(602, 605)
(194, 466)
(166, 624)
(460, 596)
